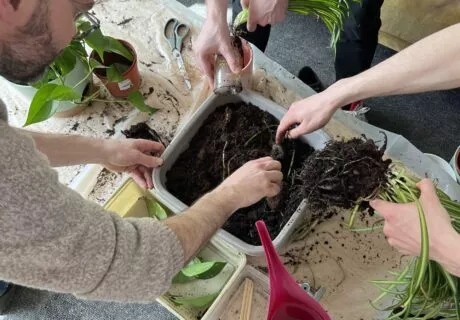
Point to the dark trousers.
(357, 43)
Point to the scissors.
(175, 32)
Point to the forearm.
(448, 256)
(430, 64)
(66, 150)
(217, 10)
(200, 222)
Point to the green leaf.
(97, 42)
(94, 64)
(47, 77)
(65, 62)
(78, 48)
(42, 106)
(137, 99)
(199, 302)
(181, 278)
(113, 75)
(115, 46)
(155, 209)
(214, 271)
(241, 18)
(203, 270)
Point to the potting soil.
(233, 135)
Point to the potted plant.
(62, 88)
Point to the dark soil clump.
(230, 137)
(142, 131)
(344, 172)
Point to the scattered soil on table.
(344, 172)
(142, 131)
(230, 137)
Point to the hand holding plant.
(264, 12)
(402, 227)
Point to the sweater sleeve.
(53, 239)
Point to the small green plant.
(196, 270)
(332, 12)
(54, 87)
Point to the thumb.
(285, 123)
(252, 21)
(149, 161)
(427, 191)
(244, 4)
(385, 208)
(298, 131)
(230, 56)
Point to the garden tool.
(287, 301)
(175, 32)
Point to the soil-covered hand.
(264, 12)
(215, 39)
(253, 181)
(402, 226)
(135, 157)
(309, 114)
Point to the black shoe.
(6, 298)
(309, 77)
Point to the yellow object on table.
(406, 22)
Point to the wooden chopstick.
(247, 300)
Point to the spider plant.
(423, 289)
(332, 12)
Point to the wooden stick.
(247, 300)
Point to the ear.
(7, 7)
(15, 13)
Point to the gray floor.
(431, 121)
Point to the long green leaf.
(204, 270)
(197, 302)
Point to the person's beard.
(25, 60)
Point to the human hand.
(134, 157)
(264, 12)
(310, 114)
(214, 39)
(253, 181)
(402, 224)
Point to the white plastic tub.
(181, 142)
(229, 302)
(128, 201)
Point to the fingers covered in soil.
(233, 135)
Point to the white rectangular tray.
(181, 142)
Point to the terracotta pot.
(132, 77)
(248, 60)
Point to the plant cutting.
(71, 72)
(332, 12)
(197, 269)
(348, 174)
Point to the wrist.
(225, 197)
(343, 92)
(446, 255)
(102, 150)
(216, 12)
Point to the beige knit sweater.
(51, 238)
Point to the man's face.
(33, 33)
